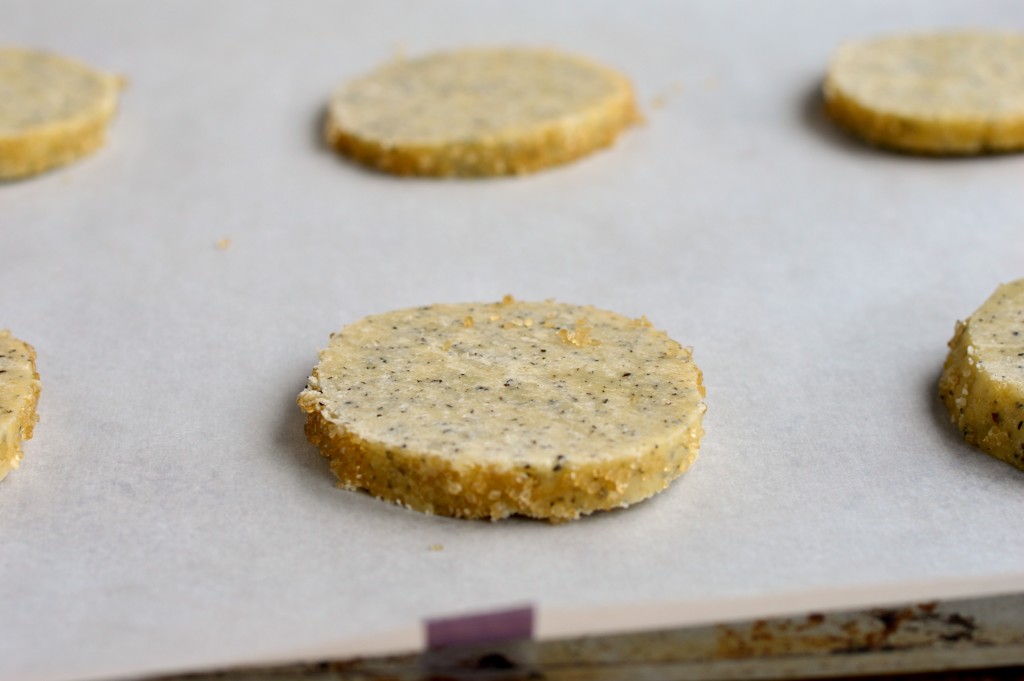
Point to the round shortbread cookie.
(52, 111)
(945, 93)
(982, 383)
(19, 391)
(479, 113)
(546, 410)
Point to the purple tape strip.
(490, 627)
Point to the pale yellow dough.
(53, 111)
(982, 384)
(942, 93)
(480, 112)
(19, 391)
(546, 410)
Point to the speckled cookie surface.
(545, 409)
(944, 93)
(19, 391)
(53, 111)
(480, 112)
(982, 383)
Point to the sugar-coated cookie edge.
(986, 412)
(435, 484)
(518, 152)
(17, 427)
(928, 136)
(50, 146)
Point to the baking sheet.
(169, 512)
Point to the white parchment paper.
(170, 513)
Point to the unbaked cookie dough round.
(943, 93)
(53, 111)
(479, 112)
(19, 391)
(474, 410)
(982, 383)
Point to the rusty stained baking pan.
(980, 638)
